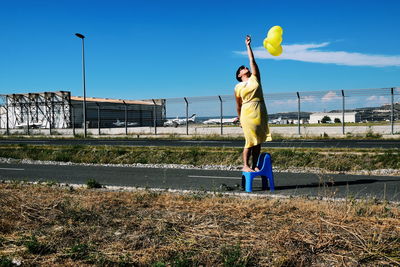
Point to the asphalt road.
(345, 143)
(358, 186)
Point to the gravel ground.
(378, 172)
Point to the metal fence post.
(73, 119)
(392, 110)
(298, 112)
(49, 113)
(221, 114)
(52, 110)
(343, 109)
(187, 116)
(27, 120)
(98, 117)
(28, 109)
(154, 117)
(126, 117)
(7, 120)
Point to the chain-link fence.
(293, 113)
(298, 109)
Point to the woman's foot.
(256, 169)
(247, 169)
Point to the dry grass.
(43, 225)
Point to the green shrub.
(326, 119)
(5, 262)
(92, 183)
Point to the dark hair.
(238, 71)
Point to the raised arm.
(253, 64)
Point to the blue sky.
(164, 49)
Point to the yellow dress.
(253, 115)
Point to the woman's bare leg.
(246, 156)
(255, 153)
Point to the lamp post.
(84, 82)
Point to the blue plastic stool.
(264, 164)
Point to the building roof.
(331, 113)
(37, 93)
(89, 99)
(109, 100)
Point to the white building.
(348, 116)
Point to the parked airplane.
(275, 121)
(230, 121)
(119, 123)
(176, 122)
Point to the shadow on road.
(330, 184)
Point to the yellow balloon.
(275, 51)
(274, 39)
(277, 29)
(265, 43)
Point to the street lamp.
(84, 83)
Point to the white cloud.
(378, 99)
(310, 53)
(308, 99)
(288, 102)
(293, 102)
(330, 96)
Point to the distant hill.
(289, 115)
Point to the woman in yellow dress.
(251, 109)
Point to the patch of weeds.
(22, 145)
(387, 212)
(100, 259)
(124, 260)
(159, 264)
(73, 213)
(82, 216)
(194, 154)
(183, 261)
(92, 183)
(5, 262)
(18, 182)
(143, 160)
(232, 256)
(36, 247)
(179, 260)
(371, 134)
(390, 159)
(79, 252)
(198, 196)
(50, 183)
(62, 156)
(361, 211)
(224, 188)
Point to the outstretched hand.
(248, 40)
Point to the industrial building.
(348, 117)
(60, 110)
